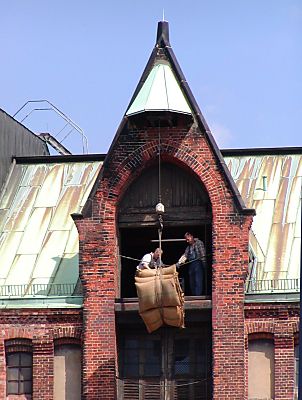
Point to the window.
(261, 370)
(170, 363)
(18, 366)
(67, 371)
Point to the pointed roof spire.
(162, 38)
(163, 87)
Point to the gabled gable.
(152, 94)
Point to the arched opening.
(67, 370)
(261, 369)
(187, 209)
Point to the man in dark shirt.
(195, 255)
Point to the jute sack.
(147, 273)
(152, 319)
(139, 279)
(169, 294)
(147, 294)
(173, 316)
(160, 297)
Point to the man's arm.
(200, 250)
(146, 260)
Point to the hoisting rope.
(160, 217)
(164, 265)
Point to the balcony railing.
(41, 290)
(259, 286)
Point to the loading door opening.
(187, 209)
(135, 242)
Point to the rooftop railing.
(262, 286)
(41, 290)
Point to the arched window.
(67, 370)
(187, 208)
(261, 369)
(18, 366)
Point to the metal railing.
(258, 286)
(37, 290)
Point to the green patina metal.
(160, 92)
(39, 245)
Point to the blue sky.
(242, 59)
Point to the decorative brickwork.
(279, 322)
(42, 327)
(132, 151)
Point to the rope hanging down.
(160, 208)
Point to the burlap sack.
(173, 316)
(169, 293)
(147, 294)
(152, 319)
(160, 297)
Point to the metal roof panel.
(36, 242)
(271, 183)
(160, 92)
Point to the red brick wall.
(281, 322)
(42, 327)
(133, 151)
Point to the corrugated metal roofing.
(160, 92)
(38, 239)
(272, 185)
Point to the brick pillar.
(230, 260)
(98, 276)
(2, 371)
(284, 367)
(43, 355)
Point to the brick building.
(72, 227)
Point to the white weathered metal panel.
(294, 264)
(10, 242)
(68, 204)
(35, 231)
(72, 245)
(176, 99)
(294, 200)
(262, 222)
(21, 270)
(10, 190)
(52, 187)
(160, 92)
(50, 256)
(21, 209)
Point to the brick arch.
(67, 332)
(18, 333)
(259, 328)
(139, 159)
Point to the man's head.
(157, 253)
(189, 238)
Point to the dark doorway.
(135, 242)
(187, 209)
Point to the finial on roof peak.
(162, 38)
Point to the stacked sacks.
(160, 297)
